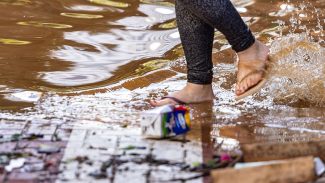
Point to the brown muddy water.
(103, 60)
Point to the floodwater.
(103, 60)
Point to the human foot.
(251, 67)
(191, 93)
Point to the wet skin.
(250, 60)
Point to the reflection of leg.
(252, 54)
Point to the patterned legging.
(196, 20)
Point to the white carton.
(153, 124)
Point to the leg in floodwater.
(196, 20)
(197, 40)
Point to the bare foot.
(191, 93)
(250, 60)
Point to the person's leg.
(222, 15)
(197, 40)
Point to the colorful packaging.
(166, 121)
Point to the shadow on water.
(103, 61)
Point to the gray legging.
(196, 20)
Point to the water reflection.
(96, 56)
(110, 51)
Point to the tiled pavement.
(127, 156)
(38, 144)
(90, 151)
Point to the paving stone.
(99, 139)
(172, 151)
(45, 129)
(7, 133)
(66, 126)
(140, 147)
(62, 134)
(134, 139)
(160, 176)
(7, 147)
(12, 125)
(193, 153)
(197, 180)
(175, 176)
(133, 167)
(76, 172)
(123, 177)
(166, 168)
(36, 143)
(22, 177)
(98, 143)
(68, 171)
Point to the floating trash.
(82, 16)
(45, 24)
(25, 96)
(15, 163)
(111, 3)
(166, 121)
(13, 41)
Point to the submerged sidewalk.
(90, 151)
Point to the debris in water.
(225, 158)
(166, 121)
(25, 96)
(319, 166)
(15, 163)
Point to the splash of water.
(298, 70)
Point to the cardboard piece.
(278, 151)
(293, 170)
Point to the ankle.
(198, 87)
(258, 51)
(249, 53)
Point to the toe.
(157, 103)
(249, 82)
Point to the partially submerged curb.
(279, 162)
